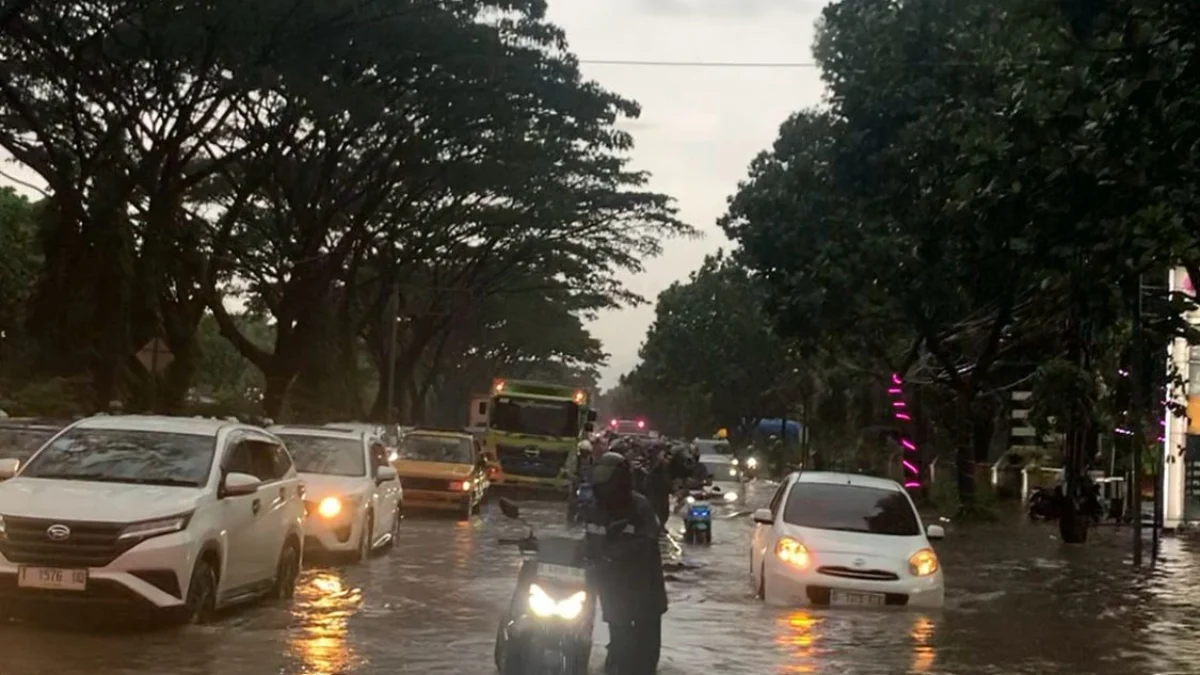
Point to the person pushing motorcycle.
(627, 568)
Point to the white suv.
(155, 513)
(353, 499)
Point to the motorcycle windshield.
(564, 551)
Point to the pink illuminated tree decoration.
(911, 461)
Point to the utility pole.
(394, 335)
(1137, 412)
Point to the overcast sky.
(700, 127)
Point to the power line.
(699, 64)
(781, 65)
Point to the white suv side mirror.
(8, 467)
(935, 532)
(384, 474)
(764, 517)
(238, 484)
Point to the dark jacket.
(627, 568)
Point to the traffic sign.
(155, 356)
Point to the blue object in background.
(771, 426)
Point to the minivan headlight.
(154, 528)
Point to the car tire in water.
(287, 572)
(397, 518)
(201, 600)
(365, 541)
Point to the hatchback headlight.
(154, 528)
(542, 605)
(793, 552)
(923, 563)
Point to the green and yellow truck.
(533, 430)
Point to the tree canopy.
(328, 167)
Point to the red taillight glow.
(461, 486)
(612, 423)
(641, 424)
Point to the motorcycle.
(1047, 503)
(548, 628)
(697, 521)
(578, 502)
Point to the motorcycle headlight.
(154, 528)
(691, 499)
(544, 606)
(731, 496)
(751, 463)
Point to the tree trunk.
(278, 382)
(964, 453)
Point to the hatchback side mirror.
(764, 517)
(935, 532)
(9, 467)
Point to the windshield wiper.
(105, 478)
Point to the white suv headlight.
(154, 528)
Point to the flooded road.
(1017, 602)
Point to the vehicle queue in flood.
(186, 516)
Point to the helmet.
(584, 446)
(612, 481)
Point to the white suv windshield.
(850, 508)
(123, 456)
(330, 456)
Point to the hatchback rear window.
(851, 508)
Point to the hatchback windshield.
(851, 508)
(535, 417)
(329, 456)
(123, 456)
(437, 449)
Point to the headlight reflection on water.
(323, 608)
(923, 649)
(797, 632)
(812, 643)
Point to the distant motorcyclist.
(622, 540)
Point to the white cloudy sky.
(700, 127)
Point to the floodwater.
(1017, 602)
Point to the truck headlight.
(544, 606)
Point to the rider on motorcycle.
(622, 540)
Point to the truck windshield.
(535, 417)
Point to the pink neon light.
(909, 446)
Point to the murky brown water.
(1018, 602)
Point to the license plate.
(856, 599)
(701, 526)
(52, 578)
(561, 572)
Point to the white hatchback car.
(353, 499)
(844, 539)
(150, 513)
